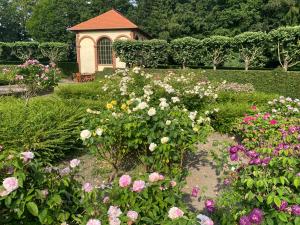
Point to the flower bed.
(264, 179)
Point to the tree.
(54, 51)
(287, 42)
(251, 46)
(186, 51)
(216, 49)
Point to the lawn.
(154, 144)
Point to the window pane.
(104, 49)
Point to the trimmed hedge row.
(252, 48)
(150, 53)
(52, 51)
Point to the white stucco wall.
(87, 40)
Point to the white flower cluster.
(124, 84)
(163, 103)
(285, 106)
(93, 111)
(203, 89)
(168, 88)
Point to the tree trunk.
(215, 67)
(246, 65)
(285, 66)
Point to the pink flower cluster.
(132, 215)
(87, 187)
(209, 205)
(137, 186)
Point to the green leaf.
(270, 199)
(283, 217)
(32, 208)
(297, 182)
(277, 201)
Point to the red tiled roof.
(109, 20)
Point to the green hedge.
(48, 126)
(233, 106)
(150, 53)
(21, 51)
(267, 81)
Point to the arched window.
(104, 50)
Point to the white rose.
(142, 105)
(164, 140)
(168, 122)
(152, 147)
(85, 134)
(175, 99)
(152, 111)
(99, 132)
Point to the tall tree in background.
(13, 16)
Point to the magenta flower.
(87, 187)
(273, 122)
(209, 205)
(296, 210)
(124, 181)
(234, 157)
(256, 216)
(138, 185)
(244, 220)
(195, 192)
(283, 206)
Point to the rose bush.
(35, 77)
(33, 194)
(160, 131)
(263, 176)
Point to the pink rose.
(125, 181)
(114, 212)
(106, 200)
(114, 221)
(87, 187)
(138, 185)
(74, 163)
(154, 177)
(27, 156)
(10, 184)
(175, 213)
(132, 215)
(93, 222)
(173, 183)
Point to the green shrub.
(149, 53)
(47, 126)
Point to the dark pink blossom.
(244, 220)
(209, 205)
(256, 216)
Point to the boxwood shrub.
(47, 126)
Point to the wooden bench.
(84, 77)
